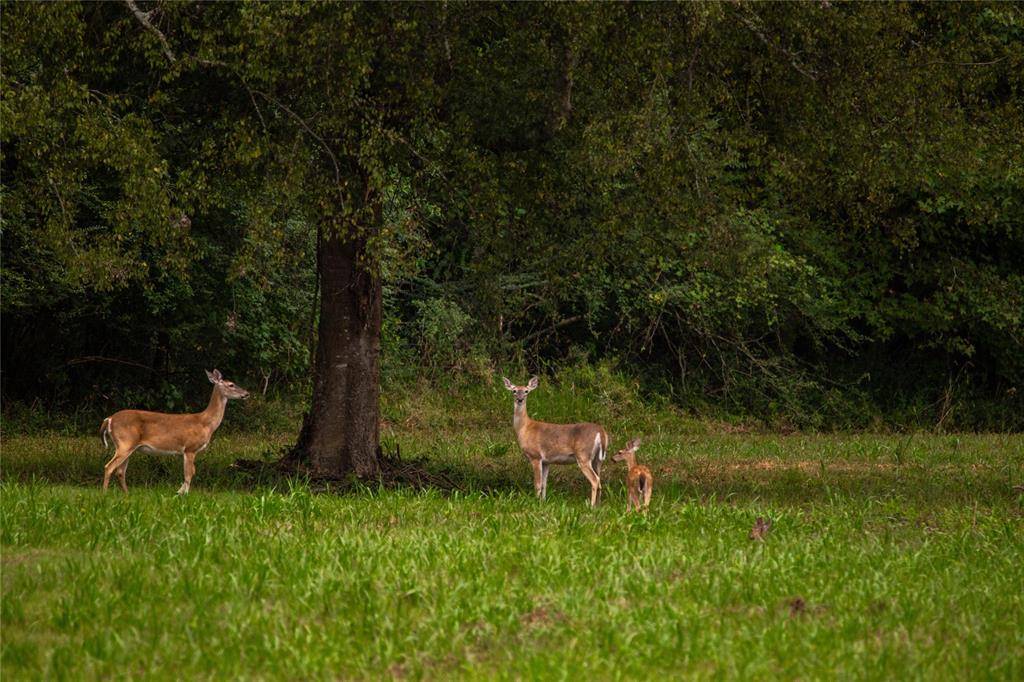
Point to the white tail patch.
(104, 431)
(598, 447)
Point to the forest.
(759, 267)
(797, 213)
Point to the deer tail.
(644, 484)
(104, 430)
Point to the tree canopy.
(806, 209)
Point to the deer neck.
(213, 415)
(520, 418)
(630, 460)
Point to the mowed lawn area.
(897, 557)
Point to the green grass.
(893, 557)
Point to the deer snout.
(238, 393)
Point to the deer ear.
(209, 375)
(533, 384)
(633, 444)
(508, 384)
(216, 377)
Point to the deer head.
(227, 388)
(519, 393)
(627, 453)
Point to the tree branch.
(302, 122)
(143, 18)
(759, 32)
(117, 361)
(947, 63)
(546, 330)
(559, 115)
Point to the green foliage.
(741, 199)
(808, 213)
(442, 327)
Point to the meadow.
(890, 556)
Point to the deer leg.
(107, 470)
(544, 468)
(121, 470)
(119, 458)
(538, 482)
(647, 494)
(595, 464)
(595, 482)
(596, 458)
(190, 469)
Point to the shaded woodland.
(802, 211)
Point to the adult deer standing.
(545, 444)
(173, 434)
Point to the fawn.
(545, 444)
(638, 479)
(173, 434)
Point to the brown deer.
(638, 479)
(545, 444)
(174, 434)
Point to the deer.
(639, 481)
(174, 434)
(545, 444)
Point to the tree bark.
(341, 432)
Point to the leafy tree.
(274, 113)
(767, 207)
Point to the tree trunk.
(341, 432)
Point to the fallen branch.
(118, 361)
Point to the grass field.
(893, 557)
